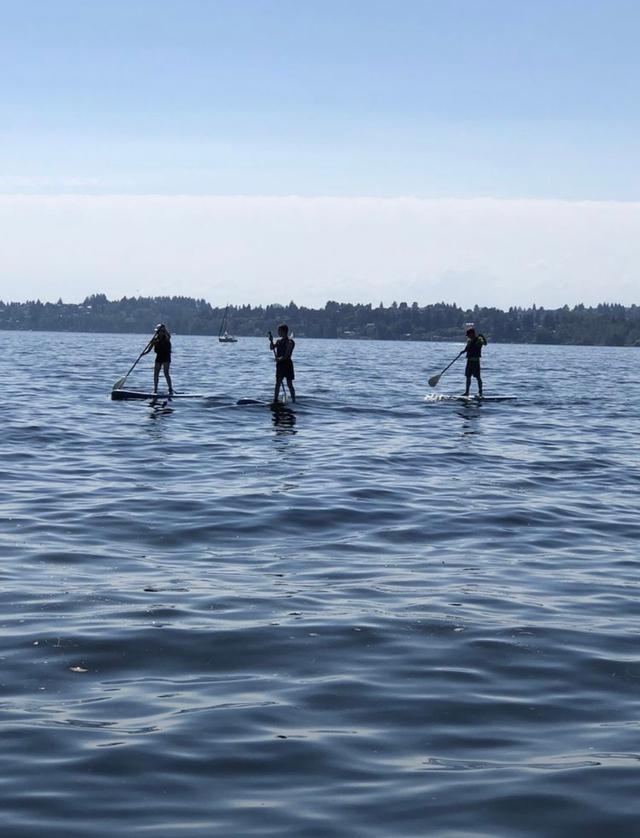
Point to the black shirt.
(474, 346)
(284, 347)
(162, 348)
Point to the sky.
(473, 151)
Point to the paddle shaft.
(120, 382)
(434, 379)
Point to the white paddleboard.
(432, 397)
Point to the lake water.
(376, 616)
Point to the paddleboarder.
(282, 350)
(473, 351)
(161, 345)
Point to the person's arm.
(271, 343)
(483, 340)
(149, 346)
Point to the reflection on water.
(470, 413)
(160, 409)
(284, 420)
(369, 615)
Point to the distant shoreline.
(607, 324)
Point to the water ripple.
(372, 615)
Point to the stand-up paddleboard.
(140, 395)
(430, 397)
(486, 398)
(264, 403)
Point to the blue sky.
(466, 97)
(457, 99)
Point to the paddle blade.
(118, 384)
(433, 381)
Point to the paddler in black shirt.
(282, 350)
(161, 345)
(473, 351)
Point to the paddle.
(119, 383)
(433, 381)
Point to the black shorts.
(284, 369)
(472, 370)
(162, 359)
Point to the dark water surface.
(378, 616)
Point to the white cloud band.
(273, 249)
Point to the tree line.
(607, 324)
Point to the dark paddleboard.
(263, 403)
(485, 398)
(139, 395)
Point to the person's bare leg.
(168, 377)
(479, 386)
(156, 376)
(292, 389)
(276, 391)
(466, 392)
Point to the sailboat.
(223, 334)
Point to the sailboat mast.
(223, 325)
